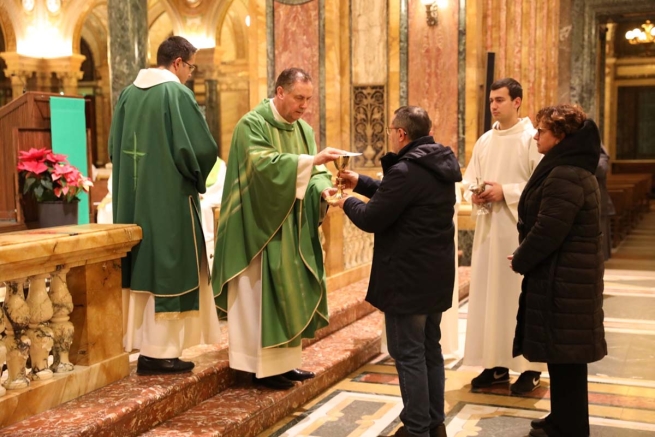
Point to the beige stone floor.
(621, 386)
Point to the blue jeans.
(413, 342)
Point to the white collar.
(276, 114)
(149, 77)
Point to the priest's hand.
(349, 179)
(326, 155)
(492, 193)
(329, 192)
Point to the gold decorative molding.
(635, 71)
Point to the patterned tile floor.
(621, 386)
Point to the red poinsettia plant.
(50, 177)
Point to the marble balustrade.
(62, 297)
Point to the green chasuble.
(162, 152)
(261, 215)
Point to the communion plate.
(351, 154)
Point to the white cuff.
(305, 165)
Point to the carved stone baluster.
(3, 348)
(62, 328)
(17, 318)
(39, 333)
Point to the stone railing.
(348, 251)
(62, 295)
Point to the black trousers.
(569, 400)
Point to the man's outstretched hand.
(349, 179)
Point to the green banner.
(68, 126)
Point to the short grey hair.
(414, 120)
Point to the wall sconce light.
(431, 12)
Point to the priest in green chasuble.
(162, 152)
(268, 271)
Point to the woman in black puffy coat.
(560, 317)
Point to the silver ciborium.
(478, 188)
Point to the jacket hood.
(434, 157)
(581, 149)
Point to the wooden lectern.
(24, 124)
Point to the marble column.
(68, 71)
(20, 68)
(208, 62)
(18, 85)
(213, 111)
(128, 42)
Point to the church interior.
(366, 58)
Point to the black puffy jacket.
(560, 317)
(411, 213)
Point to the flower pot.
(57, 214)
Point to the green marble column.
(213, 111)
(128, 42)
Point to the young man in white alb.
(503, 159)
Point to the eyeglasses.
(191, 66)
(541, 130)
(389, 129)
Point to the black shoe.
(526, 383)
(402, 432)
(276, 382)
(438, 431)
(162, 366)
(538, 423)
(547, 431)
(489, 377)
(298, 375)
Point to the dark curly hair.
(562, 120)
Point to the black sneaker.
(527, 382)
(489, 377)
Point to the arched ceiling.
(95, 33)
(232, 32)
(160, 29)
(7, 29)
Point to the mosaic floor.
(621, 386)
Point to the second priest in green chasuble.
(161, 157)
(261, 215)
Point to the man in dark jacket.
(411, 214)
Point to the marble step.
(245, 410)
(136, 404)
